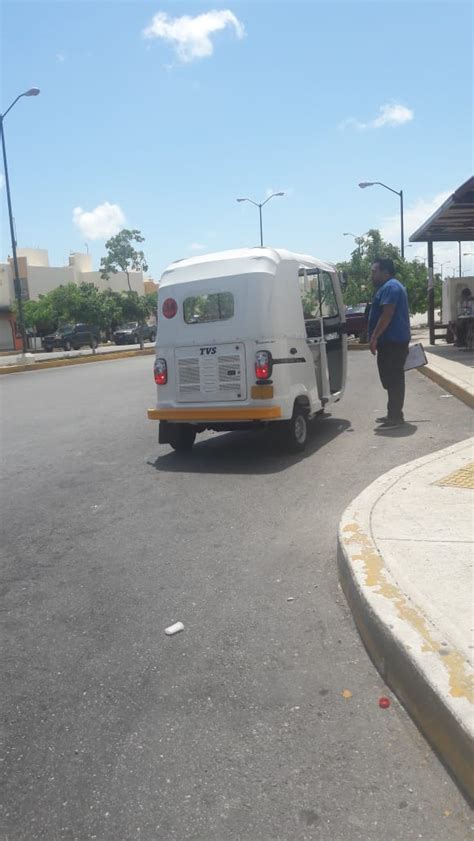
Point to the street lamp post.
(30, 92)
(467, 254)
(398, 193)
(358, 239)
(442, 265)
(260, 205)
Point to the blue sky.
(162, 133)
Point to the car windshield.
(66, 328)
(358, 310)
(130, 325)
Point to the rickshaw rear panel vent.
(213, 377)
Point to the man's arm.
(381, 326)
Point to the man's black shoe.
(391, 423)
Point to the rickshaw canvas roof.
(239, 261)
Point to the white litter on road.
(174, 629)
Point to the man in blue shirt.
(389, 335)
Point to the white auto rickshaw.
(247, 338)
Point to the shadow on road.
(398, 432)
(248, 452)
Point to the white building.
(37, 278)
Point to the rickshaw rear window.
(217, 306)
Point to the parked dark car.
(357, 320)
(72, 337)
(129, 334)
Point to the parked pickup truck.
(357, 319)
(72, 337)
(129, 334)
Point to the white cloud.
(390, 114)
(103, 222)
(414, 216)
(191, 36)
(393, 114)
(197, 246)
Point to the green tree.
(39, 315)
(85, 303)
(111, 311)
(151, 303)
(122, 256)
(412, 274)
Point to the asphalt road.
(236, 729)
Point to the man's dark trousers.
(391, 358)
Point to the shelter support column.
(431, 300)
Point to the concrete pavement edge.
(75, 360)
(388, 622)
(454, 388)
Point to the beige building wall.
(116, 282)
(42, 280)
(150, 286)
(39, 278)
(80, 262)
(34, 256)
(6, 285)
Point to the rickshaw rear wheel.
(182, 438)
(295, 431)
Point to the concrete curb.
(403, 644)
(75, 360)
(455, 388)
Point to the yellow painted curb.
(367, 583)
(453, 388)
(77, 360)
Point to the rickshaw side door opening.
(323, 319)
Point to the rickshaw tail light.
(169, 308)
(161, 372)
(263, 365)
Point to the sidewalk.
(16, 363)
(405, 556)
(450, 367)
(17, 358)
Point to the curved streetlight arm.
(260, 205)
(2, 116)
(271, 197)
(397, 192)
(30, 92)
(251, 202)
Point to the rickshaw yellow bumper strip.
(239, 413)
